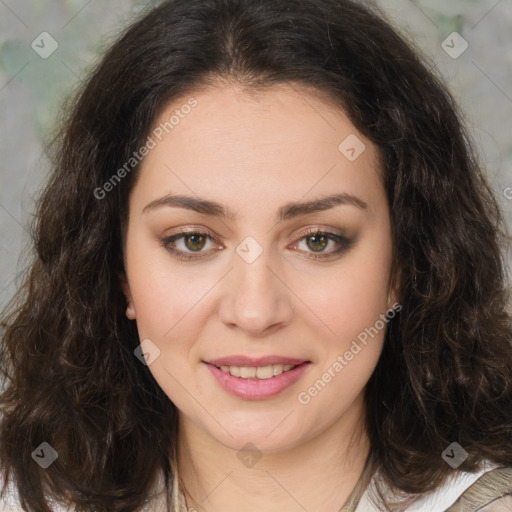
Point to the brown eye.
(184, 245)
(195, 241)
(318, 241)
(191, 242)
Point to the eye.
(189, 245)
(193, 241)
(317, 241)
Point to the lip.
(240, 360)
(256, 389)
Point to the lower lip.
(256, 389)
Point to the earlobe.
(394, 292)
(391, 299)
(393, 302)
(130, 309)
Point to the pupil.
(318, 238)
(194, 243)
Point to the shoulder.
(9, 498)
(450, 497)
(492, 491)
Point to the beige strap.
(490, 486)
(353, 500)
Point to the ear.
(393, 296)
(392, 300)
(130, 310)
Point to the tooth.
(260, 372)
(248, 372)
(234, 370)
(278, 369)
(264, 372)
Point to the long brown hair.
(71, 377)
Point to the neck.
(317, 474)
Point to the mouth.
(257, 382)
(258, 372)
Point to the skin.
(253, 154)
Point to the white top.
(435, 501)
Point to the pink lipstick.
(257, 378)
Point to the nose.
(256, 298)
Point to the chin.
(266, 437)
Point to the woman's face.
(229, 283)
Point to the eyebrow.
(286, 212)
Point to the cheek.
(352, 297)
(355, 313)
(366, 293)
(167, 311)
(164, 299)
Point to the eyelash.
(344, 243)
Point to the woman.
(268, 276)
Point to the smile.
(257, 382)
(257, 372)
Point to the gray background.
(32, 88)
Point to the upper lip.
(255, 361)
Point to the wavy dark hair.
(71, 378)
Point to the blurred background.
(47, 47)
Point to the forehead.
(239, 143)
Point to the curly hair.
(67, 353)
